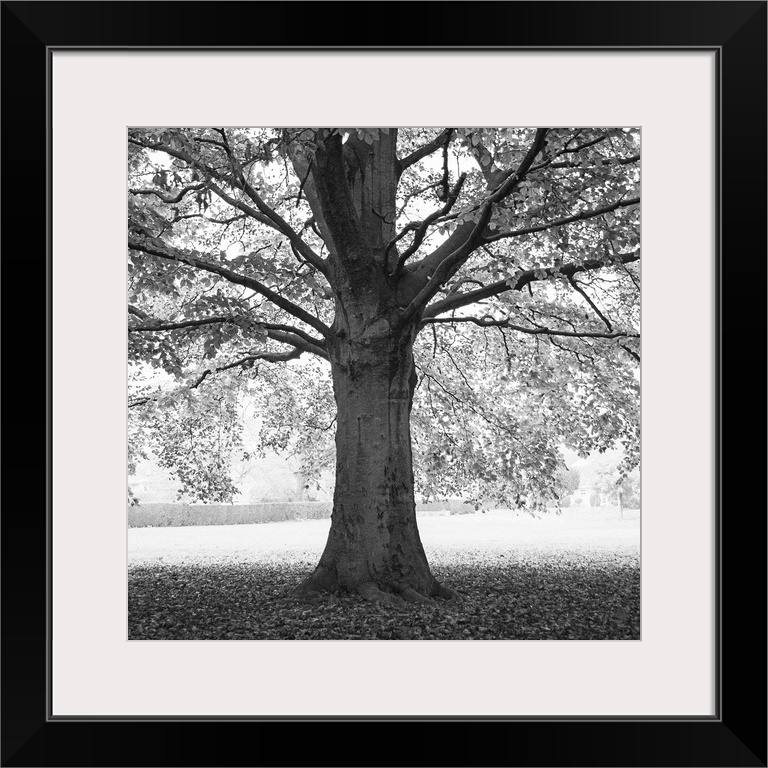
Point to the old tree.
(471, 294)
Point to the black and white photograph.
(393, 381)
(384, 383)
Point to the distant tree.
(568, 481)
(629, 486)
(612, 476)
(470, 293)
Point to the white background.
(96, 95)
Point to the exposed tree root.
(412, 596)
(369, 591)
(446, 593)
(324, 582)
(404, 594)
(317, 586)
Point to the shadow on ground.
(561, 597)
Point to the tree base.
(324, 583)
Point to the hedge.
(162, 515)
(159, 515)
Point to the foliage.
(531, 343)
(481, 433)
(194, 434)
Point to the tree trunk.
(373, 547)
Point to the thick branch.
(163, 251)
(334, 195)
(494, 289)
(303, 162)
(492, 174)
(449, 263)
(432, 146)
(270, 357)
(287, 334)
(488, 322)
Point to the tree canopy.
(529, 345)
(490, 274)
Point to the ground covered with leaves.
(543, 589)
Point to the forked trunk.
(373, 547)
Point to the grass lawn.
(569, 576)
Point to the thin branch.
(630, 352)
(415, 193)
(166, 199)
(241, 205)
(606, 161)
(582, 216)
(421, 228)
(297, 244)
(267, 215)
(279, 327)
(243, 362)
(224, 222)
(589, 301)
(215, 143)
(444, 181)
(278, 221)
(586, 144)
(161, 326)
(303, 183)
(141, 314)
(511, 179)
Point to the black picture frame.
(736, 735)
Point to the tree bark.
(374, 548)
